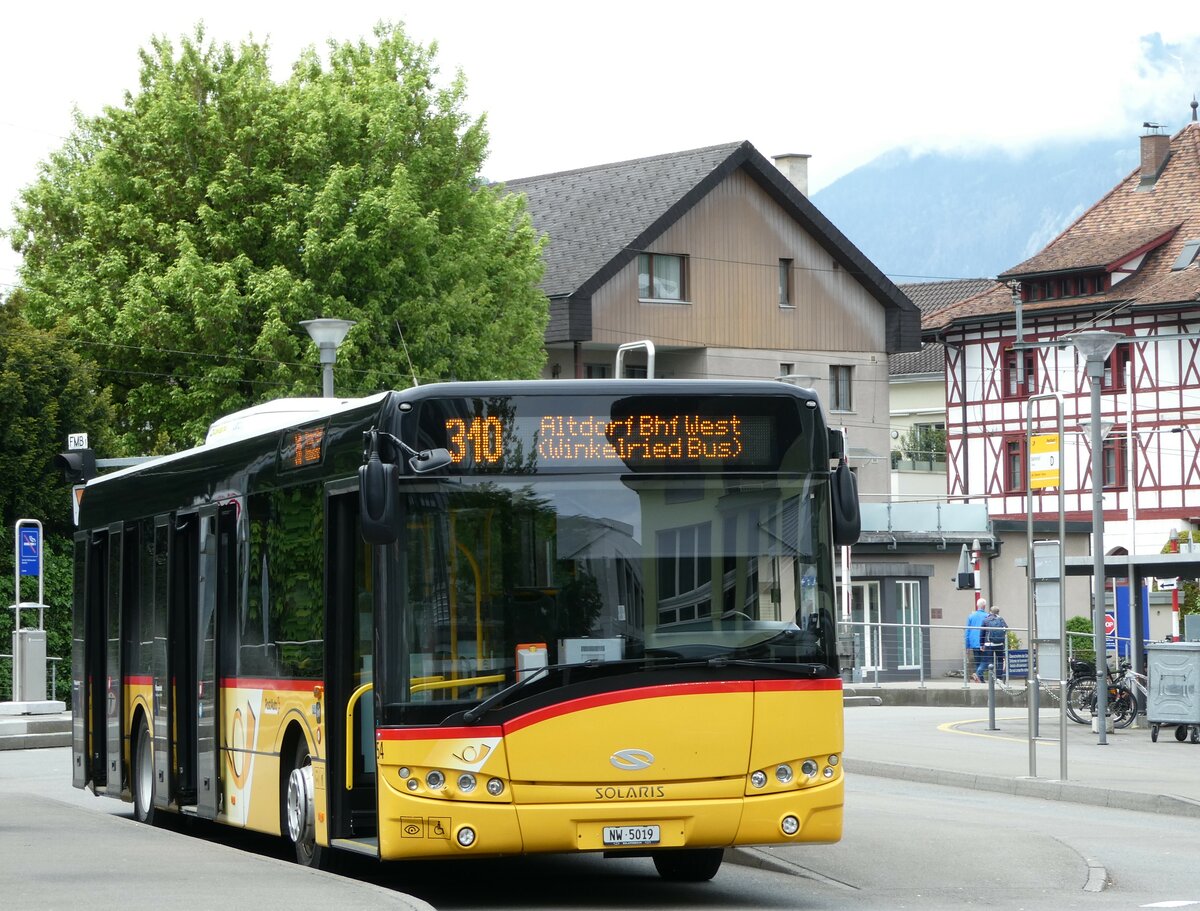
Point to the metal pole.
(1095, 371)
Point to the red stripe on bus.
(649, 692)
(437, 733)
(139, 680)
(602, 699)
(266, 683)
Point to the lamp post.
(328, 334)
(1095, 345)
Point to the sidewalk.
(952, 745)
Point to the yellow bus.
(476, 619)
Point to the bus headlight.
(783, 774)
(758, 779)
(466, 836)
(495, 787)
(809, 768)
(790, 825)
(435, 779)
(466, 782)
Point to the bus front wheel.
(299, 819)
(695, 865)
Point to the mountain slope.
(938, 215)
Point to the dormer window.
(1045, 289)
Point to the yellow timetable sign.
(1045, 461)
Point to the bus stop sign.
(29, 550)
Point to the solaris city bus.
(476, 619)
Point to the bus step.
(189, 810)
(364, 823)
(367, 846)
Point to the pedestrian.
(994, 634)
(973, 638)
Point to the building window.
(1014, 465)
(787, 369)
(1020, 376)
(1116, 369)
(786, 298)
(908, 602)
(840, 388)
(1112, 461)
(598, 371)
(662, 277)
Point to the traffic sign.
(1168, 585)
(77, 441)
(1110, 630)
(1045, 462)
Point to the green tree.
(47, 393)
(180, 237)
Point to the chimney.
(794, 167)
(1156, 149)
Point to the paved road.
(63, 848)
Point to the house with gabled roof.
(722, 262)
(1128, 265)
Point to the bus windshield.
(504, 574)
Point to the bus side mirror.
(847, 522)
(378, 499)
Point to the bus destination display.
(301, 448)
(644, 440)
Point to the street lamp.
(328, 334)
(1095, 345)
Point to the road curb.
(1047, 789)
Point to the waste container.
(1173, 669)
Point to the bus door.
(182, 652)
(215, 589)
(163, 692)
(114, 669)
(349, 696)
(89, 704)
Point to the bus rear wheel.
(694, 865)
(299, 817)
(143, 775)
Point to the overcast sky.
(568, 84)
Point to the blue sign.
(1018, 662)
(29, 549)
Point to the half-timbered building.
(1128, 265)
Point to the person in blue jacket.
(994, 638)
(973, 639)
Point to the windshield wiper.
(496, 700)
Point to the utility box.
(1191, 627)
(1174, 673)
(29, 676)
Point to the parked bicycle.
(1121, 703)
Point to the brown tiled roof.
(930, 298)
(1123, 221)
(1083, 249)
